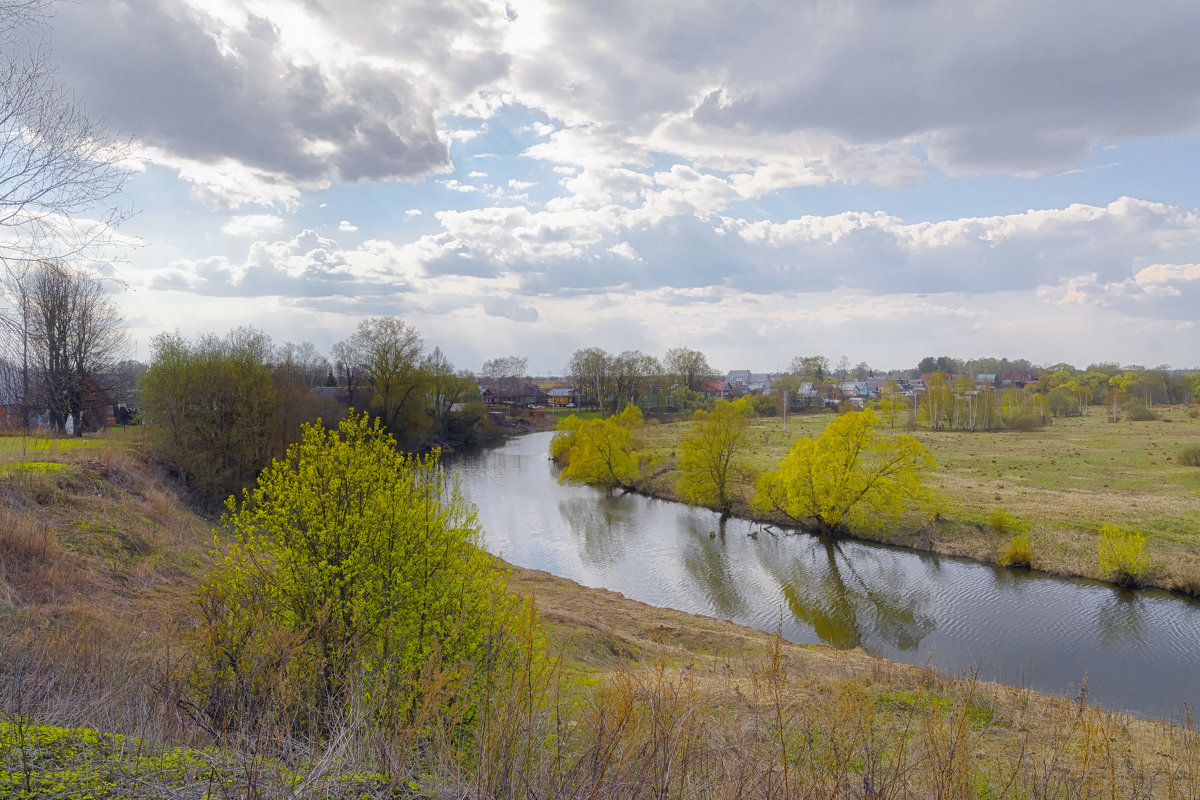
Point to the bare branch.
(59, 170)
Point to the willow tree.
(598, 452)
(711, 455)
(847, 474)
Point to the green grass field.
(39, 446)
(1061, 483)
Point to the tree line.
(221, 408)
(828, 483)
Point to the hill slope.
(98, 560)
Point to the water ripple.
(1139, 650)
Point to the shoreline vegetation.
(102, 561)
(1037, 500)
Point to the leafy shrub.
(354, 575)
(1190, 456)
(1018, 552)
(1122, 554)
(1028, 422)
(1139, 413)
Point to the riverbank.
(1057, 486)
(101, 558)
(741, 704)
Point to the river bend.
(1139, 650)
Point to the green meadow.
(1058, 485)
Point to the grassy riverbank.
(1058, 485)
(99, 560)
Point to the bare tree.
(349, 371)
(59, 173)
(689, 367)
(447, 386)
(75, 336)
(506, 374)
(590, 369)
(632, 372)
(304, 362)
(56, 163)
(389, 353)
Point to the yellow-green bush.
(355, 579)
(1122, 554)
(1018, 552)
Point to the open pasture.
(1060, 484)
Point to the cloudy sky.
(879, 179)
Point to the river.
(1140, 651)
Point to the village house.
(562, 397)
(718, 389)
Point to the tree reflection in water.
(706, 561)
(603, 525)
(1121, 620)
(825, 589)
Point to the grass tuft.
(1001, 521)
(1190, 456)
(1122, 554)
(1017, 552)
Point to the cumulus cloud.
(1159, 291)
(252, 225)
(306, 92)
(1163, 274)
(1018, 88)
(346, 226)
(306, 266)
(310, 92)
(624, 250)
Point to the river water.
(1140, 651)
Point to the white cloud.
(252, 225)
(225, 184)
(1019, 88)
(346, 226)
(624, 250)
(455, 186)
(307, 93)
(1160, 274)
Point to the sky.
(876, 179)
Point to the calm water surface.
(1140, 651)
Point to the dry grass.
(632, 701)
(97, 564)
